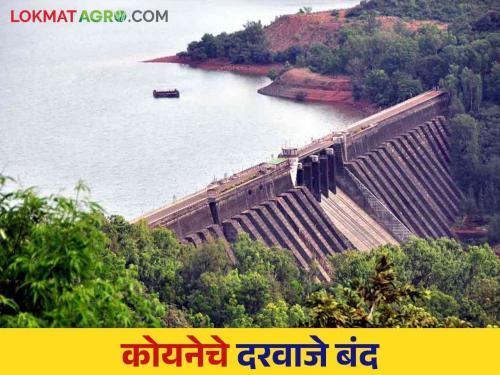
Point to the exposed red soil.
(320, 27)
(220, 65)
(302, 29)
(388, 23)
(309, 86)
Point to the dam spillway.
(382, 180)
(361, 229)
(410, 175)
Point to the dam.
(382, 180)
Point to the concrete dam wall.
(382, 180)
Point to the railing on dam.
(381, 212)
(359, 128)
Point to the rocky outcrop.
(304, 85)
(302, 29)
(320, 28)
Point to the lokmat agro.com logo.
(87, 16)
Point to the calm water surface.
(76, 103)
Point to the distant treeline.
(245, 46)
(443, 10)
(63, 264)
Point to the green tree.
(494, 229)
(405, 87)
(244, 46)
(460, 283)
(493, 84)
(216, 297)
(274, 315)
(272, 74)
(472, 88)
(378, 85)
(305, 10)
(430, 40)
(154, 253)
(381, 302)
(431, 69)
(464, 150)
(323, 59)
(56, 269)
(400, 55)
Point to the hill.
(322, 27)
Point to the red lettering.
(49, 16)
(72, 13)
(62, 17)
(25, 16)
(13, 17)
(54, 16)
(36, 16)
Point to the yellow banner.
(249, 351)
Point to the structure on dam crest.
(380, 181)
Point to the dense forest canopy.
(64, 264)
(245, 46)
(443, 10)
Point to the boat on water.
(167, 94)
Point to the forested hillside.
(245, 46)
(64, 264)
(444, 10)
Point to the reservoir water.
(76, 103)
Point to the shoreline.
(219, 65)
(300, 84)
(294, 84)
(303, 85)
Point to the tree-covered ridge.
(444, 10)
(388, 66)
(244, 46)
(64, 264)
